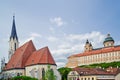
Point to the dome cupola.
(109, 41)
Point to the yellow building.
(109, 53)
(94, 74)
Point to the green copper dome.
(108, 38)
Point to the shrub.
(23, 78)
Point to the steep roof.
(42, 56)
(20, 56)
(97, 51)
(13, 32)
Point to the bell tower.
(13, 42)
(88, 46)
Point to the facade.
(109, 53)
(94, 74)
(26, 60)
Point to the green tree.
(64, 72)
(102, 65)
(23, 78)
(49, 74)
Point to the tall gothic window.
(43, 74)
(15, 46)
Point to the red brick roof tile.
(97, 71)
(97, 51)
(20, 56)
(42, 56)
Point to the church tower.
(88, 46)
(109, 41)
(13, 42)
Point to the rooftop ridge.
(20, 56)
(97, 51)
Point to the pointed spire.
(13, 33)
(90, 44)
(87, 41)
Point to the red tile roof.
(97, 51)
(42, 56)
(20, 56)
(96, 71)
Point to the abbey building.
(26, 60)
(108, 53)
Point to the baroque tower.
(88, 46)
(109, 41)
(13, 42)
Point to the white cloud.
(57, 20)
(52, 29)
(72, 44)
(35, 35)
(92, 35)
(32, 36)
(52, 39)
(118, 43)
(61, 64)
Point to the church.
(26, 60)
(106, 54)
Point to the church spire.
(13, 43)
(13, 32)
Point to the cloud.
(52, 29)
(35, 35)
(117, 42)
(32, 36)
(93, 35)
(57, 21)
(72, 44)
(52, 39)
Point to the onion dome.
(108, 38)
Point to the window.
(15, 46)
(92, 78)
(18, 74)
(81, 78)
(43, 73)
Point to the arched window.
(18, 74)
(43, 74)
(15, 46)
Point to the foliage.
(64, 72)
(102, 65)
(23, 78)
(49, 74)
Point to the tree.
(64, 72)
(23, 78)
(49, 74)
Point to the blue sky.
(62, 25)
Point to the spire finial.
(13, 15)
(108, 35)
(87, 41)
